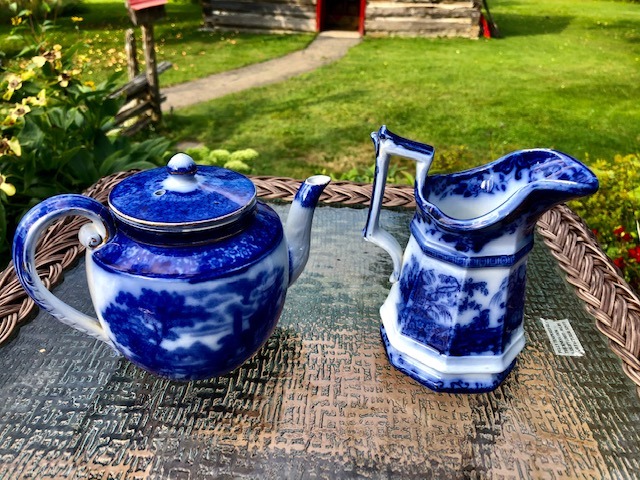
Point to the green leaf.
(155, 148)
(83, 169)
(58, 118)
(410, 179)
(110, 164)
(141, 155)
(43, 191)
(31, 135)
(49, 25)
(28, 51)
(71, 50)
(3, 218)
(4, 244)
(78, 117)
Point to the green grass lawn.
(179, 39)
(566, 75)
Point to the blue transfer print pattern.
(542, 178)
(432, 304)
(459, 301)
(197, 334)
(309, 193)
(510, 301)
(194, 262)
(443, 383)
(217, 193)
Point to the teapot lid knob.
(182, 164)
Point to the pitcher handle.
(387, 144)
(91, 236)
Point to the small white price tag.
(562, 337)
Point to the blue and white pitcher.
(453, 319)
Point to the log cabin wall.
(424, 19)
(278, 16)
(436, 18)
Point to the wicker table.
(320, 400)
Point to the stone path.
(326, 48)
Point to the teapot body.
(187, 271)
(191, 310)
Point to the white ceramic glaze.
(453, 319)
(187, 272)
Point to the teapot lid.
(182, 196)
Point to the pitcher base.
(442, 382)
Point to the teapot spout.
(298, 227)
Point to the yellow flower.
(15, 21)
(10, 146)
(6, 187)
(20, 110)
(63, 79)
(14, 81)
(54, 54)
(39, 61)
(14, 145)
(41, 98)
(91, 84)
(77, 19)
(27, 75)
(39, 101)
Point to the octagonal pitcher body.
(453, 319)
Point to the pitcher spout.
(298, 227)
(521, 184)
(492, 209)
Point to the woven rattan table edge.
(606, 295)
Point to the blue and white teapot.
(453, 319)
(187, 271)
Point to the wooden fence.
(142, 93)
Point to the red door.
(340, 15)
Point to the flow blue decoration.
(187, 271)
(453, 319)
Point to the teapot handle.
(387, 144)
(92, 235)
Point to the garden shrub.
(613, 213)
(40, 8)
(219, 156)
(57, 129)
(238, 160)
